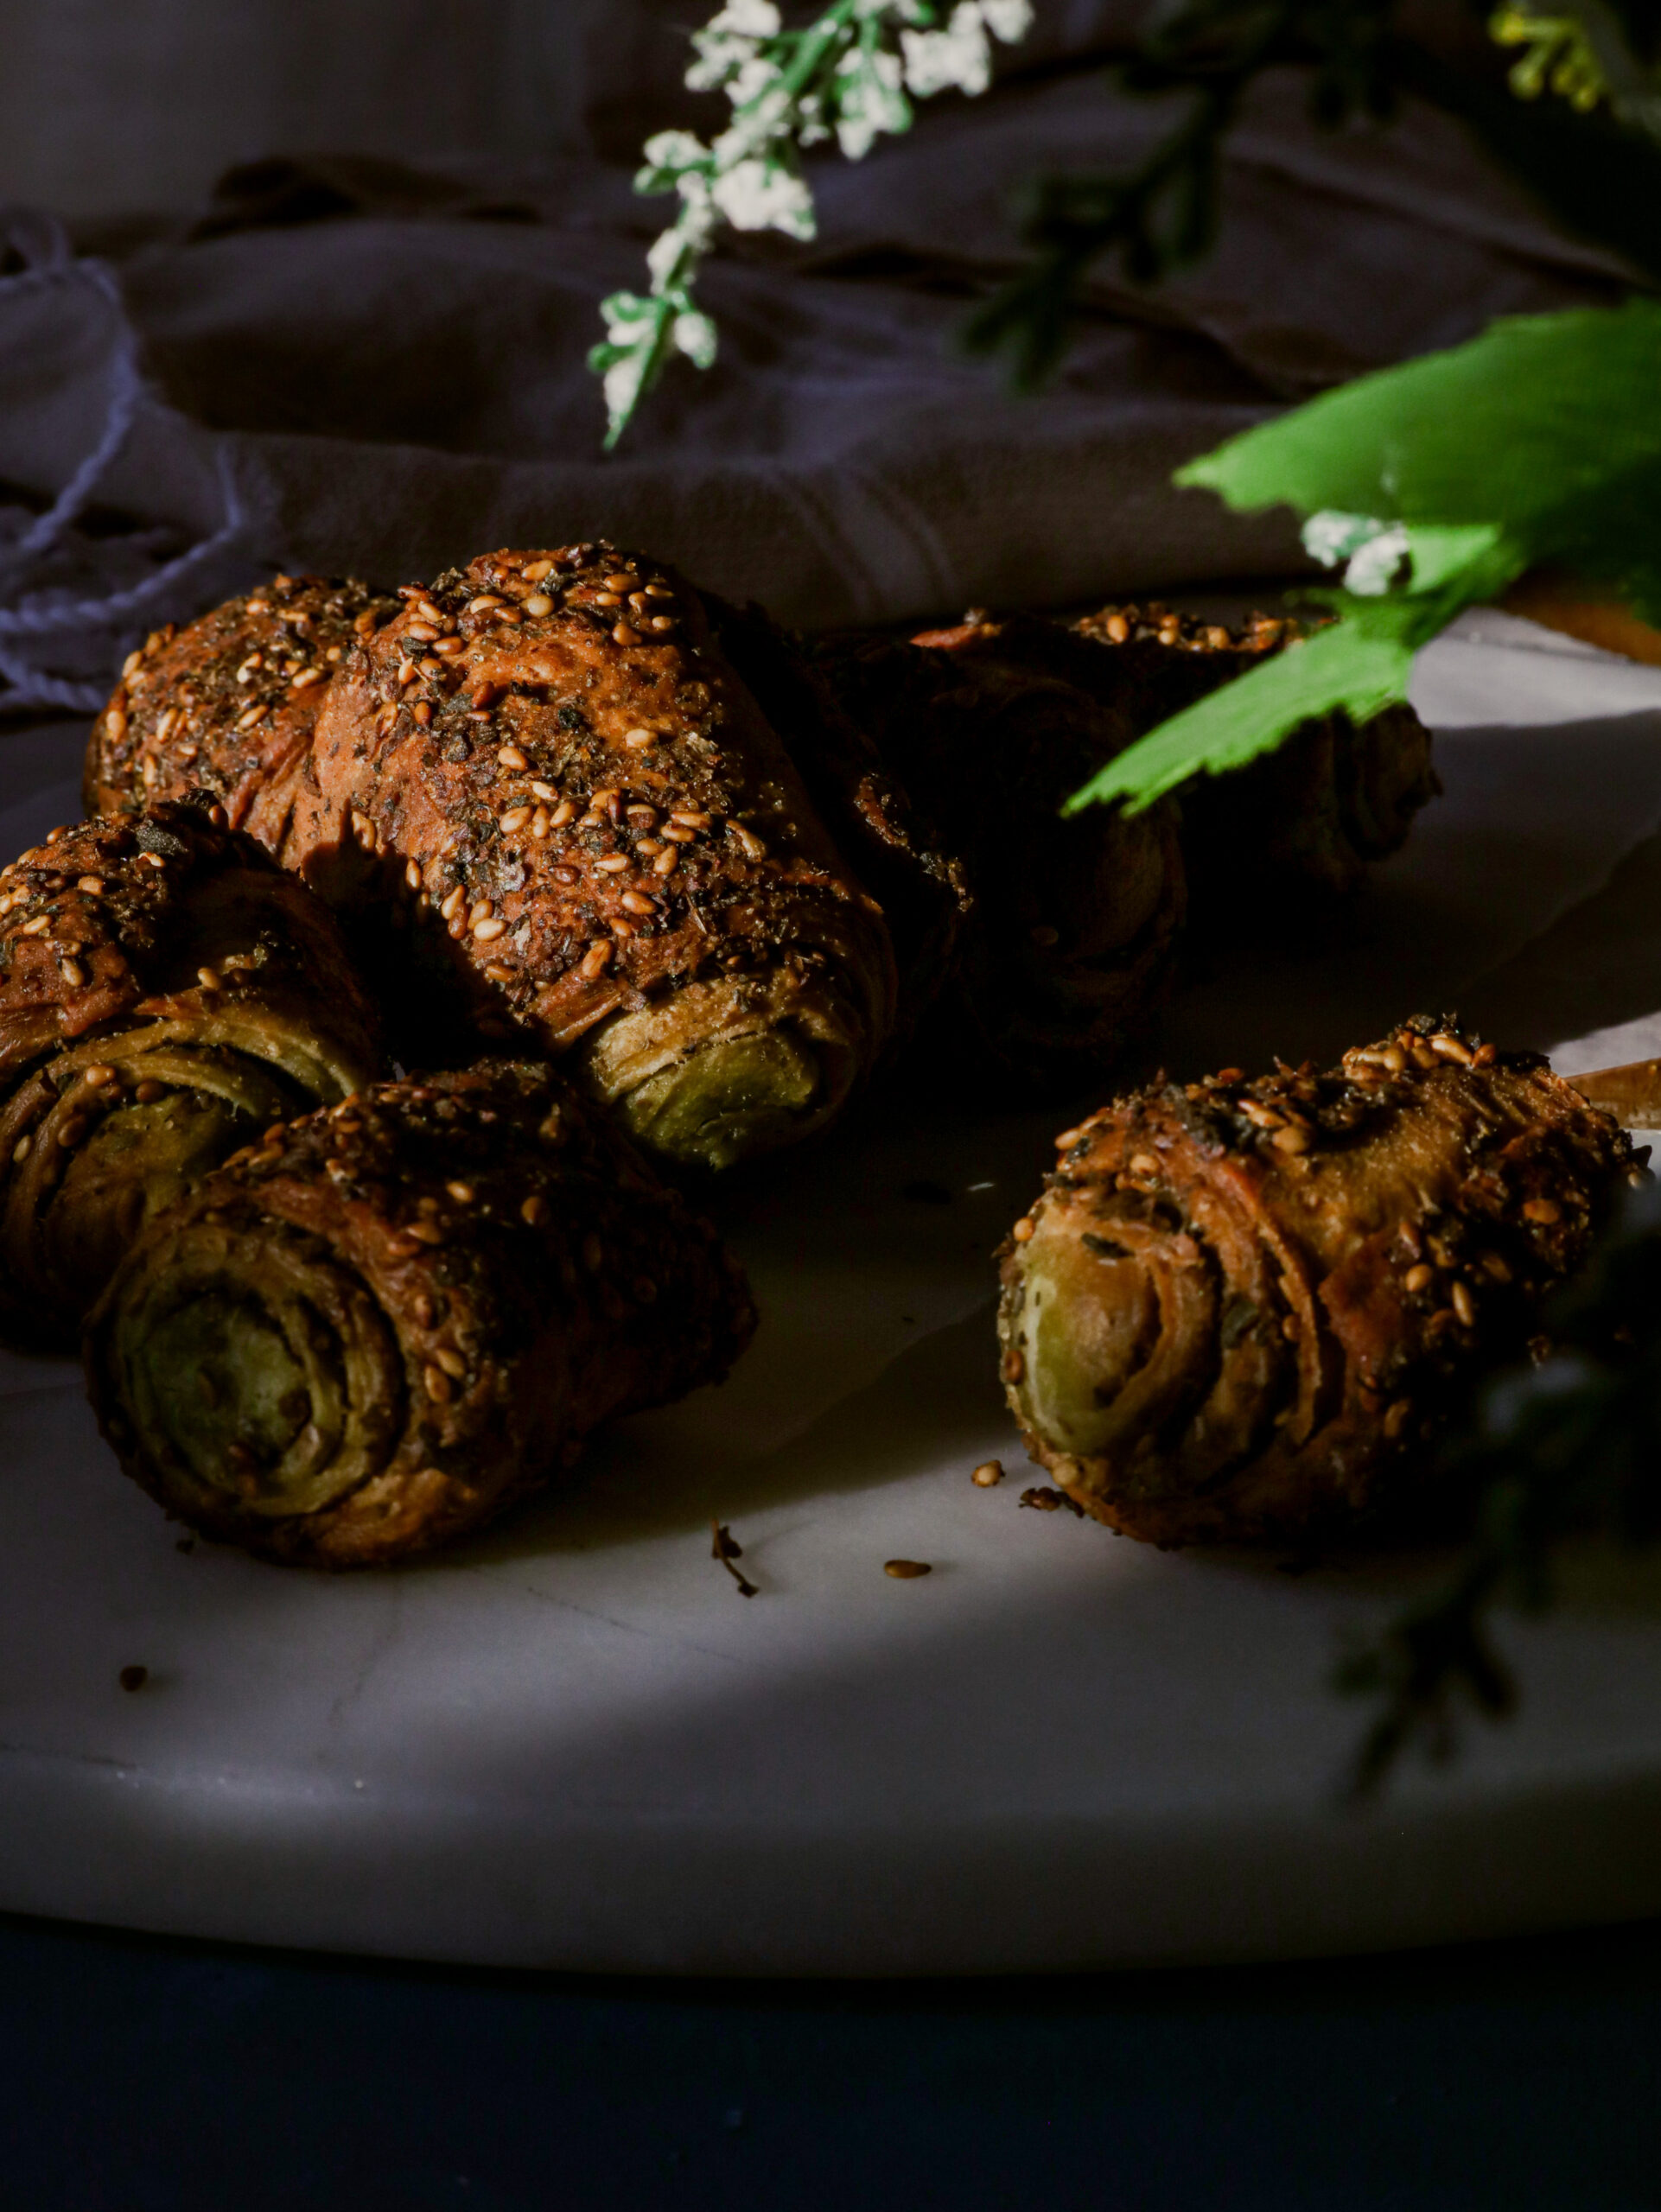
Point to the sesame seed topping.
(1418, 1278)
(534, 1212)
(489, 929)
(907, 1570)
(640, 739)
(534, 571)
(988, 1474)
(595, 960)
(515, 818)
(1024, 1230)
(74, 973)
(1544, 1210)
(613, 864)
(511, 757)
(307, 677)
(623, 635)
(1464, 1304)
(436, 1383)
(636, 902)
(538, 603)
(666, 861)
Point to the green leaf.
(1528, 426)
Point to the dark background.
(149, 2077)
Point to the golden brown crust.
(585, 811)
(483, 1259)
(223, 711)
(1241, 1310)
(160, 951)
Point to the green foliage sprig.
(1435, 484)
(1569, 1446)
(852, 74)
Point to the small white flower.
(1373, 569)
(670, 152)
(757, 74)
(763, 195)
(870, 99)
(1009, 20)
(749, 18)
(1374, 549)
(959, 56)
(694, 334)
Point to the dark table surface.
(141, 2074)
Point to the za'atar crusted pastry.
(1242, 1309)
(165, 992)
(363, 1336)
(546, 764)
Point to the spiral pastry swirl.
(1241, 1309)
(165, 992)
(360, 1337)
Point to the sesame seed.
(545, 791)
(625, 580)
(72, 1131)
(412, 874)
(640, 739)
(678, 833)
(1452, 1048)
(463, 1193)
(1116, 628)
(38, 927)
(428, 613)
(1291, 1140)
(511, 757)
(254, 715)
(425, 1232)
(1419, 1278)
(436, 1383)
(564, 812)
(623, 635)
(451, 1362)
(1544, 1210)
(515, 818)
(666, 861)
(91, 885)
(307, 677)
(595, 959)
(74, 973)
(750, 844)
(497, 973)
(1396, 1418)
(22, 1148)
(688, 819)
(1143, 1163)
(659, 591)
(452, 904)
(1025, 1230)
(636, 902)
(1464, 1304)
(613, 864)
(988, 1474)
(538, 603)
(361, 623)
(534, 1212)
(208, 980)
(534, 571)
(907, 1570)
(607, 599)
(662, 621)
(487, 931)
(97, 1077)
(1067, 1138)
(486, 598)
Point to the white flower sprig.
(852, 74)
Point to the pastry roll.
(223, 711)
(1070, 936)
(1241, 1309)
(546, 763)
(362, 1337)
(165, 992)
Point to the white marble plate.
(574, 1744)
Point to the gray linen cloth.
(357, 365)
